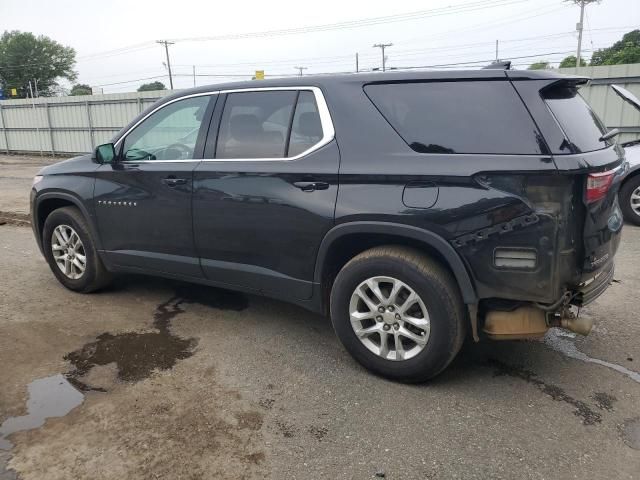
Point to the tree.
(25, 57)
(570, 61)
(81, 89)
(539, 65)
(149, 87)
(626, 50)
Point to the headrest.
(310, 125)
(245, 126)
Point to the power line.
(416, 15)
(415, 67)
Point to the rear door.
(143, 199)
(265, 194)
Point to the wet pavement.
(161, 379)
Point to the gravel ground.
(182, 381)
(16, 174)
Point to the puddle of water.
(555, 341)
(136, 355)
(48, 397)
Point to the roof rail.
(499, 65)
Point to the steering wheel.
(183, 151)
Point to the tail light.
(598, 185)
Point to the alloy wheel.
(635, 201)
(68, 252)
(389, 318)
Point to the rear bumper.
(593, 287)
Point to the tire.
(439, 293)
(630, 186)
(95, 275)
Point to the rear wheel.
(70, 251)
(399, 313)
(630, 200)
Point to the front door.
(264, 196)
(143, 199)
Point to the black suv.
(414, 208)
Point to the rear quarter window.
(581, 126)
(485, 117)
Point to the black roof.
(377, 77)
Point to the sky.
(116, 47)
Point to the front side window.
(485, 117)
(168, 134)
(268, 124)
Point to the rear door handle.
(311, 186)
(172, 181)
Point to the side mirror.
(105, 153)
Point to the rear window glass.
(580, 124)
(458, 117)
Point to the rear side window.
(255, 124)
(306, 129)
(458, 117)
(580, 124)
(268, 124)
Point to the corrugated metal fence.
(614, 112)
(66, 125)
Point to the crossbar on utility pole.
(300, 69)
(382, 46)
(166, 44)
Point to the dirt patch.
(604, 401)
(14, 218)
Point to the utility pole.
(194, 75)
(166, 44)
(497, 56)
(382, 46)
(300, 69)
(357, 66)
(580, 25)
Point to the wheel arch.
(633, 173)
(345, 241)
(48, 202)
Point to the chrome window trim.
(328, 131)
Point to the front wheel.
(630, 200)
(399, 313)
(70, 251)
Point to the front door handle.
(172, 181)
(311, 186)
